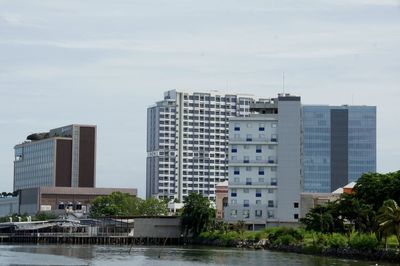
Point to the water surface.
(158, 256)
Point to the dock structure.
(104, 231)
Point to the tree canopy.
(197, 214)
(122, 204)
(372, 207)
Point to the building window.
(274, 181)
(261, 180)
(234, 149)
(233, 213)
(258, 202)
(270, 214)
(248, 181)
(233, 192)
(237, 136)
(246, 159)
(237, 127)
(258, 158)
(236, 171)
(236, 179)
(249, 137)
(274, 125)
(258, 149)
(246, 147)
(274, 138)
(245, 190)
(270, 203)
(248, 168)
(233, 201)
(246, 203)
(270, 190)
(296, 216)
(296, 205)
(258, 193)
(261, 171)
(246, 214)
(258, 213)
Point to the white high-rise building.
(187, 142)
(265, 163)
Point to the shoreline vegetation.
(360, 246)
(362, 224)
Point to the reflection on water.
(140, 255)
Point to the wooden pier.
(90, 240)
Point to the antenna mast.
(283, 82)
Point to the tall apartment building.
(339, 145)
(265, 163)
(187, 142)
(62, 157)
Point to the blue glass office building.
(339, 145)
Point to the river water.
(167, 256)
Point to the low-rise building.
(221, 199)
(63, 199)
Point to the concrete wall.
(9, 206)
(289, 158)
(162, 227)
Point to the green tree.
(153, 207)
(117, 203)
(361, 217)
(389, 219)
(197, 214)
(374, 188)
(324, 218)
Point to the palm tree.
(389, 219)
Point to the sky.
(104, 62)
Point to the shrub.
(229, 238)
(363, 241)
(337, 241)
(285, 240)
(283, 235)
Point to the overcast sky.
(104, 62)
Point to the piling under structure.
(91, 240)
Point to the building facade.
(339, 145)
(62, 157)
(187, 142)
(265, 163)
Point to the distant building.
(187, 142)
(61, 200)
(221, 199)
(339, 145)
(62, 157)
(311, 200)
(265, 164)
(9, 205)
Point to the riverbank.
(353, 246)
(378, 255)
